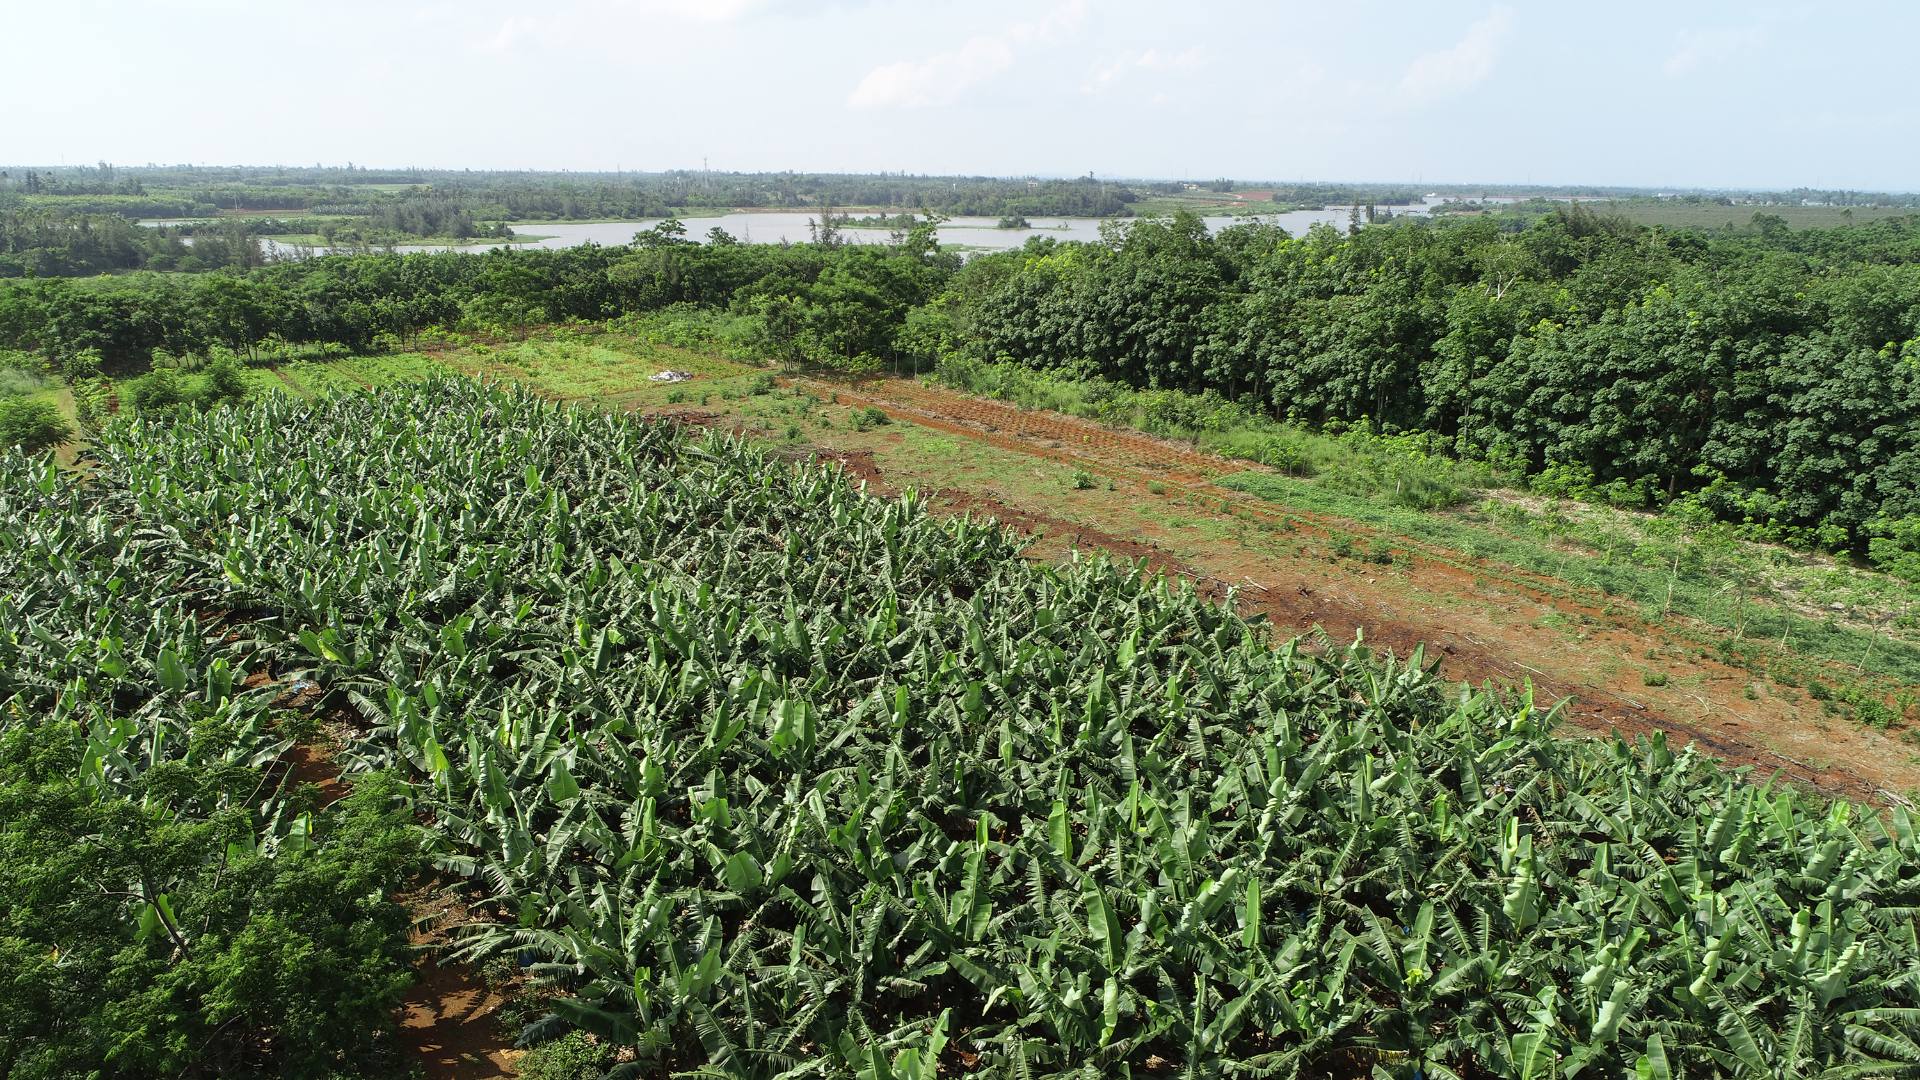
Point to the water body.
(795, 227)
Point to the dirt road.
(1485, 622)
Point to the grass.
(1404, 470)
(1693, 215)
(1624, 561)
(1209, 203)
(357, 372)
(1402, 486)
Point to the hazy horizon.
(1719, 96)
(1490, 186)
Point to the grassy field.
(1206, 203)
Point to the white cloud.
(707, 11)
(1709, 48)
(939, 79)
(942, 78)
(597, 20)
(1462, 65)
(1105, 75)
(514, 30)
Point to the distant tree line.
(1770, 376)
(38, 243)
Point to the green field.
(746, 771)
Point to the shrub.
(223, 383)
(573, 1056)
(1417, 489)
(33, 426)
(20, 373)
(160, 390)
(84, 364)
(93, 402)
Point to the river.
(795, 227)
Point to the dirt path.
(447, 1017)
(292, 386)
(1485, 622)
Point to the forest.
(1770, 377)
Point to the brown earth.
(308, 765)
(448, 1017)
(1484, 621)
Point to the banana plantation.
(751, 773)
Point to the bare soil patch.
(448, 1018)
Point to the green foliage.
(81, 364)
(234, 964)
(576, 1055)
(164, 389)
(32, 425)
(160, 391)
(21, 373)
(166, 908)
(93, 400)
(1895, 546)
(222, 383)
(1772, 375)
(1772, 372)
(1567, 481)
(771, 774)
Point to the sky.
(1674, 94)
